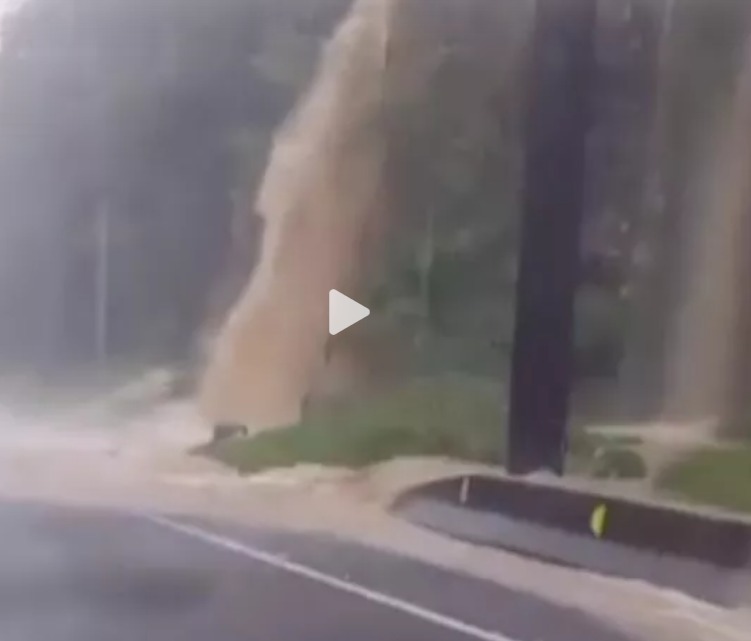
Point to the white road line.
(330, 581)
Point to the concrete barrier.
(703, 555)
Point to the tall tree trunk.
(558, 121)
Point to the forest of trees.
(156, 114)
(154, 118)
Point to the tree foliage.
(159, 111)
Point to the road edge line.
(328, 580)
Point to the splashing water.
(322, 191)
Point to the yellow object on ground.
(597, 521)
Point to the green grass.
(460, 418)
(716, 476)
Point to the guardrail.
(703, 555)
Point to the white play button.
(344, 312)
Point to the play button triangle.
(344, 312)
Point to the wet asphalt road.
(90, 575)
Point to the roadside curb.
(705, 556)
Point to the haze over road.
(72, 574)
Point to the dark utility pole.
(558, 120)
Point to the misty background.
(134, 134)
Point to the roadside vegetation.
(463, 419)
(459, 418)
(718, 476)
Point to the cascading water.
(319, 199)
(708, 354)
